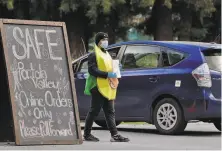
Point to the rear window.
(172, 57)
(214, 59)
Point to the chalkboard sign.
(41, 83)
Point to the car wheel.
(168, 117)
(103, 123)
(218, 125)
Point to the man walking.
(99, 87)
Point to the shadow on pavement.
(148, 131)
(154, 131)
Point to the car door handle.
(153, 79)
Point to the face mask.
(104, 44)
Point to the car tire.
(168, 117)
(218, 125)
(103, 123)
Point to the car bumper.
(212, 106)
(203, 106)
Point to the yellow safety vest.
(104, 63)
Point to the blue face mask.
(104, 44)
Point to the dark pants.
(98, 102)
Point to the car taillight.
(202, 75)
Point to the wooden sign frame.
(71, 77)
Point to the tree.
(5, 7)
(82, 17)
(26, 9)
(162, 20)
(7, 3)
(159, 24)
(121, 17)
(182, 18)
(101, 15)
(191, 23)
(50, 11)
(213, 24)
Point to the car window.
(214, 59)
(171, 57)
(114, 52)
(141, 57)
(74, 66)
(84, 63)
(84, 66)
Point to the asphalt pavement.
(197, 136)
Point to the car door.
(80, 79)
(141, 75)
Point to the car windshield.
(214, 59)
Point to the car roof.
(80, 58)
(185, 46)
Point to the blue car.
(165, 83)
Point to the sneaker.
(91, 138)
(119, 138)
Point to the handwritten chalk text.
(31, 42)
(45, 128)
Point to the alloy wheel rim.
(166, 116)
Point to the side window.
(136, 57)
(171, 57)
(114, 52)
(74, 66)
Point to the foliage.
(117, 16)
(194, 26)
(198, 34)
(8, 3)
(206, 7)
(94, 8)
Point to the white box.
(116, 68)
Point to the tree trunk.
(78, 31)
(214, 32)
(53, 10)
(109, 24)
(4, 12)
(112, 35)
(112, 26)
(185, 23)
(22, 9)
(163, 21)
